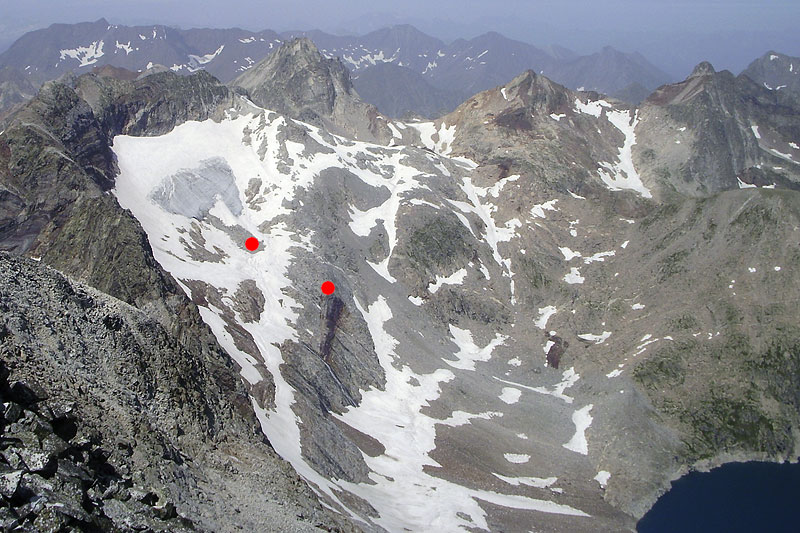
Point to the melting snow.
(574, 276)
(597, 339)
(539, 209)
(517, 458)
(86, 55)
(544, 315)
(495, 189)
(469, 353)
(787, 157)
(582, 420)
(568, 379)
(599, 256)
(602, 477)
(457, 278)
(510, 395)
(196, 62)
(637, 307)
(493, 235)
(537, 482)
(403, 494)
(591, 108)
(446, 136)
(569, 255)
(124, 46)
(623, 175)
(755, 131)
(418, 201)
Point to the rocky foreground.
(110, 424)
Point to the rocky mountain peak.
(300, 82)
(538, 94)
(302, 53)
(776, 72)
(309, 79)
(703, 69)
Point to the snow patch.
(468, 352)
(568, 379)
(544, 315)
(597, 339)
(602, 477)
(574, 276)
(197, 62)
(598, 257)
(537, 482)
(510, 395)
(456, 278)
(538, 210)
(569, 255)
(124, 46)
(594, 109)
(85, 55)
(582, 420)
(622, 175)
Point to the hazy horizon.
(674, 36)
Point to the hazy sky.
(671, 33)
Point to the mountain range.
(456, 70)
(548, 303)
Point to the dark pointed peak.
(703, 69)
(537, 92)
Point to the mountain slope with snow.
(516, 340)
(463, 325)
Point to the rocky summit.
(548, 303)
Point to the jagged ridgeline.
(399, 69)
(548, 303)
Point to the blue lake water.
(738, 497)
